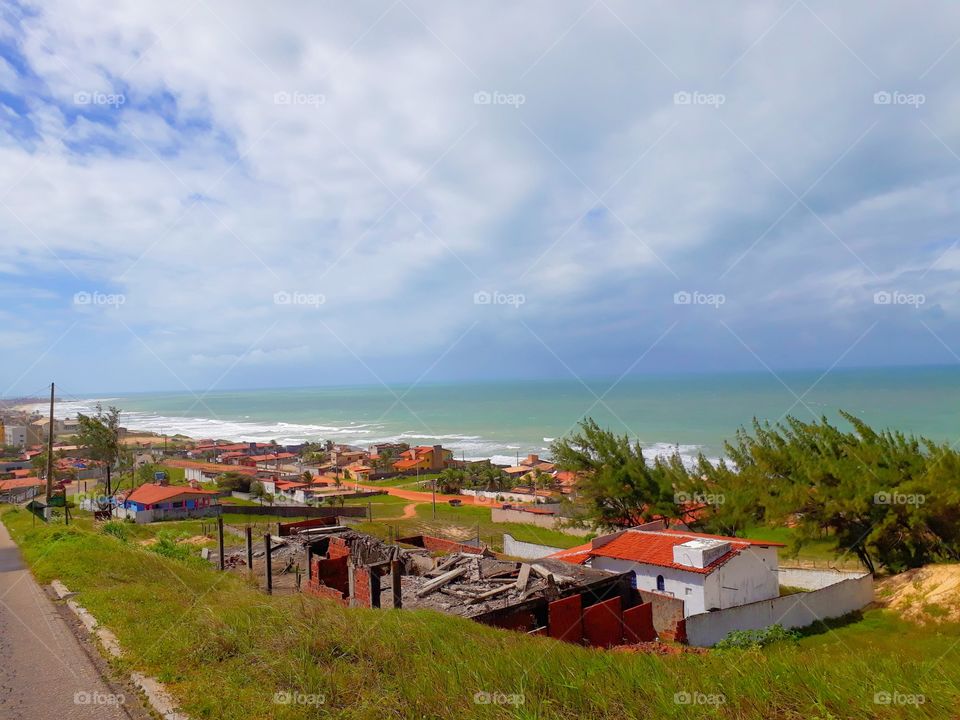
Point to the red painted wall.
(565, 619)
(602, 623)
(638, 624)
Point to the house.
(706, 572)
(20, 489)
(269, 461)
(343, 455)
(359, 472)
(152, 501)
(424, 457)
(14, 435)
(197, 471)
(531, 465)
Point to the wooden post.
(309, 563)
(395, 582)
(268, 570)
(249, 549)
(220, 542)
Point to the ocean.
(504, 420)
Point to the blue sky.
(207, 194)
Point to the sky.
(206, 194)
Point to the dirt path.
(44, 670)
(421, 497)
(410, 511)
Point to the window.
(660, 585)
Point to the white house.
(707, 572)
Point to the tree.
(620, 488)
(450, 481)
(888, 498)
(234, 482)
(307, 477)
(257, 490)
(100, 435)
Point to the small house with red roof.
(152, 501)
(706, 572)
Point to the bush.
(116, 529)
(745, 639)
(168, 546)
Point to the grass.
(225, 649)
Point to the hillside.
(226, 650)
(930, 594)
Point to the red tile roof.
(577, 555)
(150, 493)
(19, 483)
(656, 548)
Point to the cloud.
(200, 158)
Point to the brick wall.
(331, 572)
(338, 548)
(361, 587)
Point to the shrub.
(116, 529)
(168, 546)
(745, 639)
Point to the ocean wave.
(467, 447)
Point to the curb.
(160, 700)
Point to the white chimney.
(700, 552)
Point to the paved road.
(44, 671)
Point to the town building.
(706, 572)
(15, 435)
(151, 502)
(424, 458)
(197, 471)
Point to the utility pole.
(50, 450)
(434, 498)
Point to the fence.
(837, 594)
(297, 510)
(544, 520)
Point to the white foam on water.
(469, 447)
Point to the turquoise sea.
(505, 419)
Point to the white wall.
(526, 550)
(746, 578)
(791, 611)
(683, 585)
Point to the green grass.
(224, 649)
